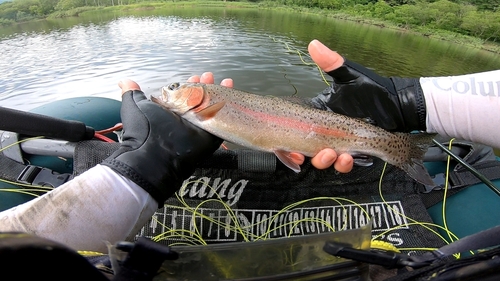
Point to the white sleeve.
(96, 207)
(465, 107)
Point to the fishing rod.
(33, 124)
(475, 172)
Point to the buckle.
(34, 175)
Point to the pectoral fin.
(362, 160)
(287, 160)
(210, 111)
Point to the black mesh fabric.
(255, 191)
(255, 197)
(90, 153)
(233, 177)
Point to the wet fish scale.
(277, 125)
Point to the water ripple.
(89, 60)
(90, 57)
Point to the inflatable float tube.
(96, 112)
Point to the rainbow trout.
(277, 125)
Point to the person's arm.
(96, 207)
(112, 201)
(465, 107)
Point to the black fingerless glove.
(159, 149)
(395, 104)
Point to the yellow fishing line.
(218, 200)
(248, 236)
(186, 235)
(42, 188)
(212, 220)
(19, 191)
(423, 224)
(244, 231)
(18, 142)
(295, 224)
(417, 249)
(252, 237)
(448, 159)
(90, 253)
(195, 237)
(336, 199)
(300, 54)
(24, 191)
(408, 218)
(230, 212)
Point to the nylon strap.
(10, 169)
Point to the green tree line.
(477, 18)
(24, 10)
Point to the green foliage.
(482, 24)
(8, 14)
(65, 5)
(71, 13)
(400, 2)
(5, 22)
(381, 9)
(20, 11)
(478, 18)
(491, 5)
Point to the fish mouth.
(164, 94)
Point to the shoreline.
(448, 36)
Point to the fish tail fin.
(414, 164)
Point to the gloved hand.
(159, 149)
(395, 104)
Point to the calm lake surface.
(86, 56)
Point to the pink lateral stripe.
(297, 124)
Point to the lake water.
(86, 56)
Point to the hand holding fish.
(289, 128)
(293, 131)
(208, 78)
(156, 163)
(128, 85)
(322, 160)
(394, 104)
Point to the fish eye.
(173, 86)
